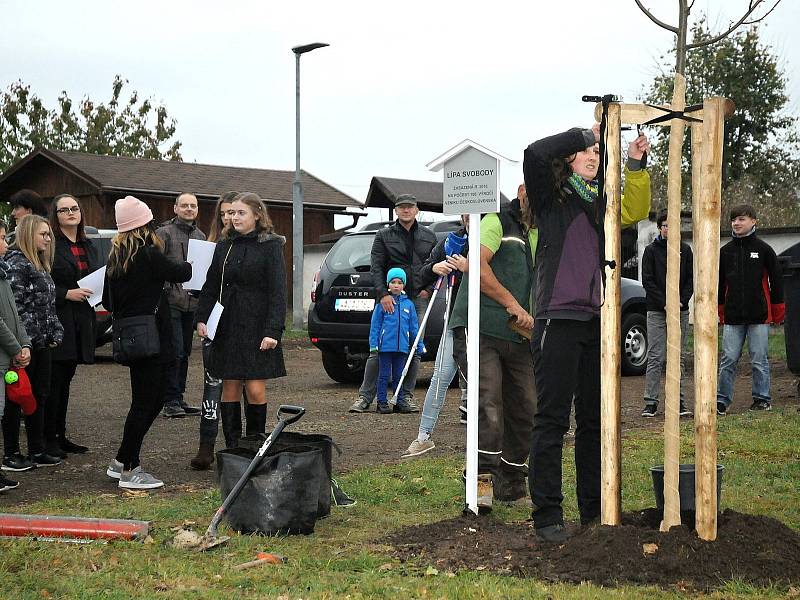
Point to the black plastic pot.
(685, 486)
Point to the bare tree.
(754, 13)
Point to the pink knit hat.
(131, 213)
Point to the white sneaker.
(418, 448)
(138, 479)
(114, 469)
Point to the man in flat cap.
(405, 244)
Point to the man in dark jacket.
(405, 244)
(654, 280)
(176, 234)
(750, 297)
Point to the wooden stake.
(610, 316)
(672, 389)
(706, 235)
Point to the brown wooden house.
(99, 181)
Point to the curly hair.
(125, 245)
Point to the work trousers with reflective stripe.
(506, 404)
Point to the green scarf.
(586, 189)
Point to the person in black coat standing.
(654, 280)
(136, 272)
(75, 257)
(248, 279)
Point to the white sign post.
(471, 186)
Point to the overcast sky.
(400, 83)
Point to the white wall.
(313, 255)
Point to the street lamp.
(297, 200)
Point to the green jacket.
(512, 264)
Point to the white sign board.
(471, 183)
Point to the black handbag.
(135, 338)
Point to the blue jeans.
(182, 332)
(390, 366)
(444, 370)
(733, 337)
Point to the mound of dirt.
(755, 549)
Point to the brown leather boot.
(204, 458)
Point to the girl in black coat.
(136, 272)
(75, 258)
(247, 277)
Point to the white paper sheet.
(199, 254)
(213, 320)
(94, 281)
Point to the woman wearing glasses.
(30, 260)
(75, 258)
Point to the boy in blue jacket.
(391, 336)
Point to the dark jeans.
(566, 359)
(148, 385)
(182, 331)
(390, 368)
(507, 400)
(55, 419)
(39, 374)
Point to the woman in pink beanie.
(136, 272)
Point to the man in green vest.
(507, 396)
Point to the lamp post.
(297, 200)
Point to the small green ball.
(11, 377)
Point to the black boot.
(71, 447)
(205, 456)
(251, 419)
(231, 413)
(256, 418)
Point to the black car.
(343, 297)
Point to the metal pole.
(297, 214)
(298, 312)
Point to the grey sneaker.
(650, 409)
(760, 405)
(359, 406)
(173, 412)
(114, 469)
(190, 411)
(418, 448)
(405, 407)
(683, 411)
(138, 479)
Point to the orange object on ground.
(58, 527)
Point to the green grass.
(345, 557)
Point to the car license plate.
(355, 304)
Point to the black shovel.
(210, 539)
